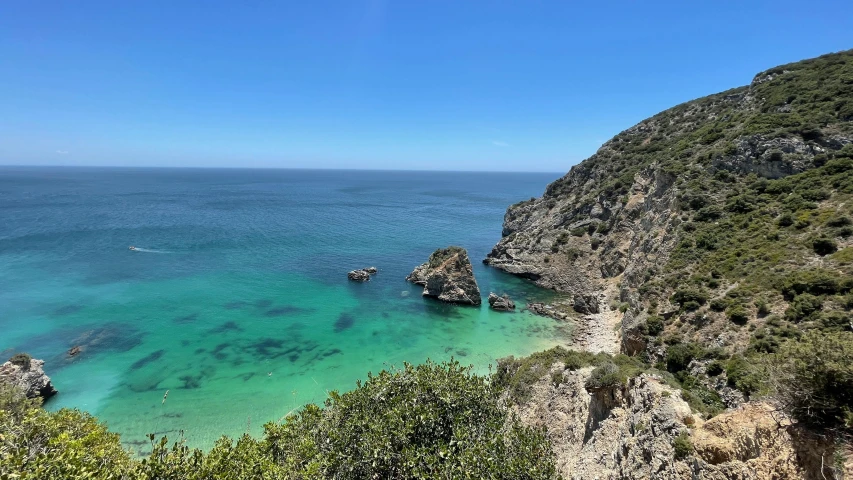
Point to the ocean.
(236, 300)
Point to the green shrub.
(682, 446)
(719, 304)
(606, 375)
(689, 294)
(22, 360)
(63, 444)
(815, 379)
(743, 375)
(654, 325)
(737, 313)
(824, 246)
(679, 356)
(802, 307)
(714, 368)
(785, 220)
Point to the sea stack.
(448, 276)
(362, 275)
(501, 303)
(27, 374)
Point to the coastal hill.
(709, 245)
(706, 257)
(709, 220)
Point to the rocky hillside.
(722, 222)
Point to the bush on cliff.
(425, 421)
(813, 379)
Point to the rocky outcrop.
(501, 303)
(31, 378)
(362, 275)
(629, 433)
(448, 276)
(606, 233)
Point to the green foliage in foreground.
(426, 421)
(814, 380)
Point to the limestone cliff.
(634, 433)
(725, 197)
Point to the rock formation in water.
(28, 375)
(501, 303)
(362, 275)
(448, 276)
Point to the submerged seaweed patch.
(345, 321)
(284, 310)
(67, 310)
(218, 353)
(263, 303)
(185, 319)
(227, 327)
(265, 347)
(235, 305)
(152, 357)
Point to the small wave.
(149, 250)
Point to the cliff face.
(31, 378)
(646, 430)
(728, 195)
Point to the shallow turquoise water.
(238, 304)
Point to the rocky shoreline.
(28, 375)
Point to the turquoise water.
(237, 302)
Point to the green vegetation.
(426, 421)
(682, 445)
(22, 360)
(814, 379)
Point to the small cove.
(238, 302)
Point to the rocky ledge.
(501, 303)
(28, 375)
(362, 275)
(448, 276)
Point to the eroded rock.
(501, 303)
(31, 378)
(448, 276)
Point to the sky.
(370, 84)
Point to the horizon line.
(195, 167)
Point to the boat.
(131, 248)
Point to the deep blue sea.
(236, 301)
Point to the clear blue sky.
(450, 85)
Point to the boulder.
(501, 303)
(362, 274)
(586, 304)
(448, 276)
(31, 378)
